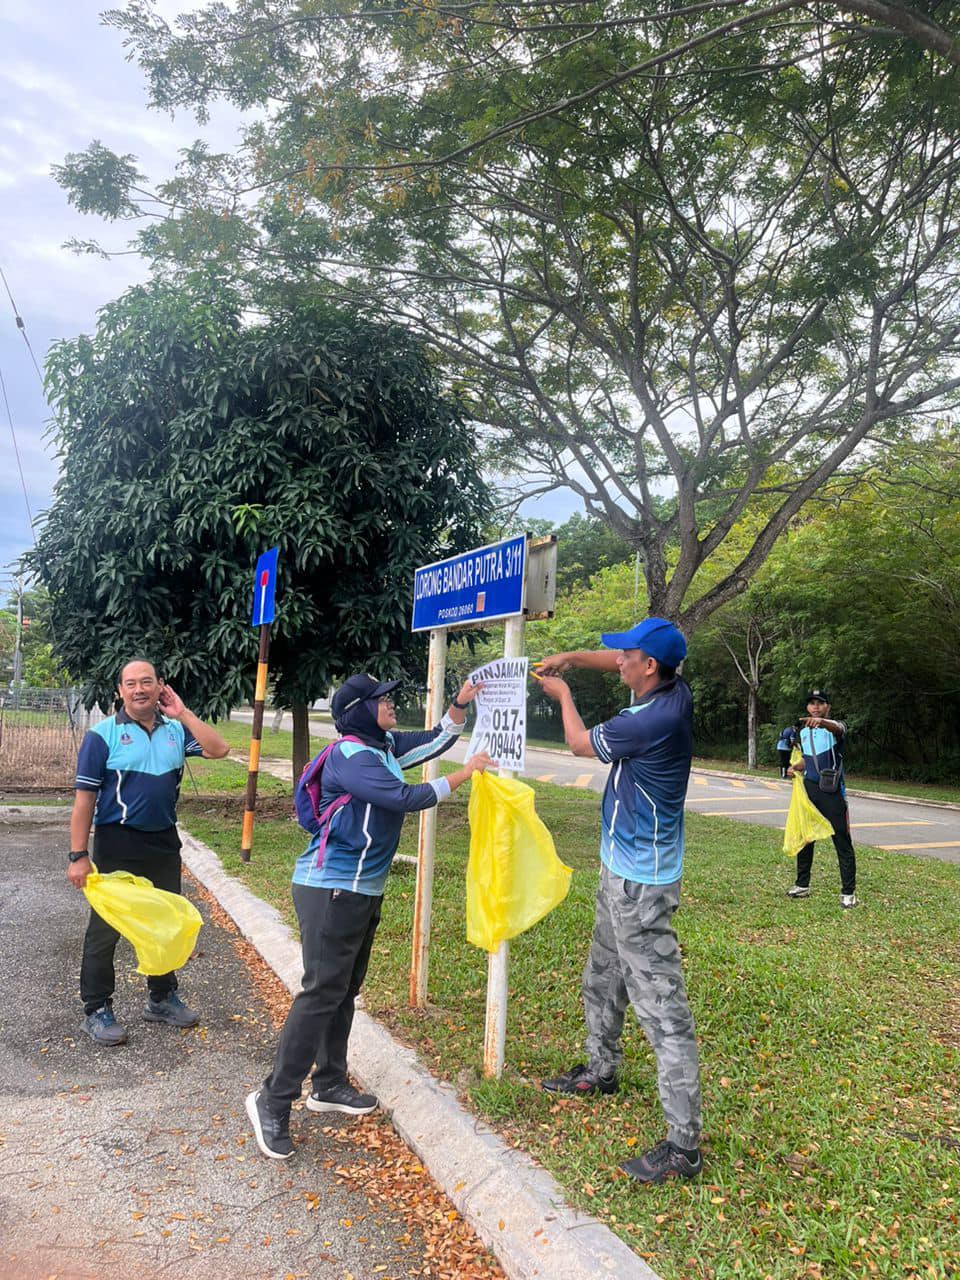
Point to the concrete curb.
(514, 1206)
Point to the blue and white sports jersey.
(650, 746)
(822, 749)
(364, 834)
(136, 773)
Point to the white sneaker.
(799, 891)
(848, 900)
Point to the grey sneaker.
(848, 900)
(103, 1028)
(170, 1010)
(271, 1128)
(799, 891)
(342, 1097)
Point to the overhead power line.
(16, 452)
(21, 326)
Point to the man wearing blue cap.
(634, 955)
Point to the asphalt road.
(138, 1161)
(924, 831)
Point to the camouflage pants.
(635, 959)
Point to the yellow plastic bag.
(162, 927)
(805, 822)
(514, 877)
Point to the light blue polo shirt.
(136, 774)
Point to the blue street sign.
(264, 587)
(477, 586)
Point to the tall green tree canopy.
(665, 256)
(191, 442)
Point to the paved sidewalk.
(142, 1163)
(138, 1162)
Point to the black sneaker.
(663, 1162)
(799, 891)
(581, 1081)
(103, 1028)
(272, 1129)
(342, 1097)
(170, 1010)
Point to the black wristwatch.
(76, 854)
(461, 706)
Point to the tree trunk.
(301, 739)
(751, 726)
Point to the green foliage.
(862, 597)
(191, 442)
(689, 276)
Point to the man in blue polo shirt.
(128, 780)
(634, 955)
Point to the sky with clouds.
(64, 81)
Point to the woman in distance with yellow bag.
(821, 742)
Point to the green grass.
(278, 745)
(226, 777)
(829, 1046)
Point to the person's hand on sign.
(463, 699)
(468, 691)
(553, 664)
(478, 763)
(553, 686)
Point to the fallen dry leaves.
(393, 1177)
(396, 1178)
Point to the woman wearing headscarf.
(338, 901)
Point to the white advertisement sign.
(501, 725)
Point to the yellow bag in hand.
(805, 822)
(162, 927)
(514, 876)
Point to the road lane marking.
(894, 824)
(724, 799)
(937, 844)
(735, 782)
(581, 780)
(700, 782)
(736, 813)
(546, 777)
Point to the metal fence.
(40, 733)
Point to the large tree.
(668, 257)
(191, 442)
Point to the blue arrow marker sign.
(264, 588)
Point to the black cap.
(359, 688)
(817, 695)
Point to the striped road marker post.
(264, 592)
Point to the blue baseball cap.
(657, 637)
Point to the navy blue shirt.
(137, 774)
(364, 834)
(641, 817)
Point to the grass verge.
(829, 1046)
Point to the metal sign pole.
(263, 613)
(256, 734)
(423, 904)
(498, 962)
